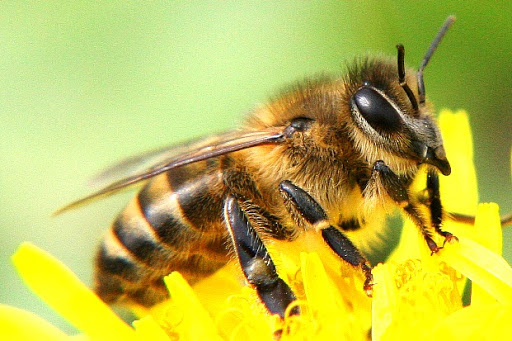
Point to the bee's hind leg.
(302, 205)
(256, 263)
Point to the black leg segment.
(397, 190)
(344, 248)
(434, 202)
(307, 207)
(392, 183)
(256, 263)
(311, 211)
(435, 207)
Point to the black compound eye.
(376, 110)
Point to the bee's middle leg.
(256, 263)
(398, 191)
(300, 203)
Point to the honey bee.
(330, 156)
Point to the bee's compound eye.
(376, 110)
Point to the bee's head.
(394, 121)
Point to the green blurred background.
(84, 84)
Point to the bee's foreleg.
(300, 202)
(256, 263)
(436, 210)
(435, 207)
(384, 177)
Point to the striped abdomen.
(173, 224)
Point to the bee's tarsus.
(449, 238)
(278, 334)
(368, 283)
(432, 245)
(347, 251)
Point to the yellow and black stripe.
(174, 224)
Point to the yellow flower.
(416, 294)
(420, 295)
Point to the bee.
(330, 156)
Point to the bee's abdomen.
(173, 224)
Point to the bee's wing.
(138, 164)
(166, 159)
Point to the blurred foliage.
(83, 84)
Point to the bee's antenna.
(401, 76)
(421, 86)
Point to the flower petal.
(196, 323)
(484, 267)
(317, 285)
(384, 298)
(214, 290)
(487, 232)
(459, 190)
(243, 317)
(412, 245)
(18, 324)
(489, 322)
(338, 307)
(147, 329)
(62, 290)
(409, 299)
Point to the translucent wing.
(141, 163)
(166, 159)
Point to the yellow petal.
(214, 290)
(196, 323)
(338, 307)
(243, 317)
(18, 324)
(486, 232)
(384, 299)
(62, 290)
(412, 245)
(319, 289)
(236, 309)
(408, 299)
(489, 322)
(147, 329)
(484, 267)
(459, 190)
